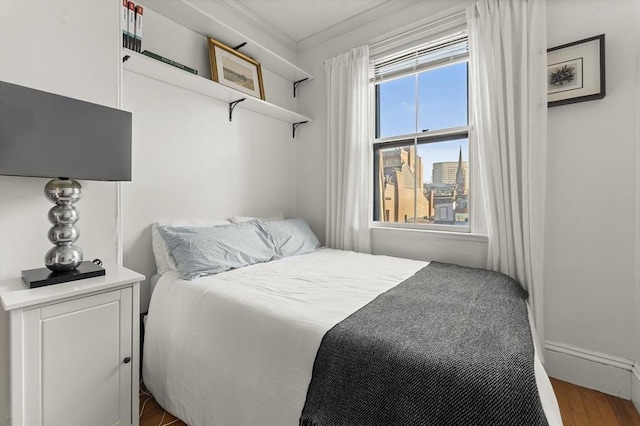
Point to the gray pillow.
(207, 251)
(292, 237)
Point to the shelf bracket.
(232, 105)
(296, 84)
(296, 125)
(240, 46)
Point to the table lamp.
(47, 135)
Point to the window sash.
(414, 140)
(429, 67)
(444, 51)
(429, 136)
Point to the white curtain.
(509, 118)
(349, 170)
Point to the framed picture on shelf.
(234, 69)
(576, 72)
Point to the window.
(421, 149)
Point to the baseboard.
(594, 370)
(635, 385)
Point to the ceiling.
(300, 19)
(306, 20)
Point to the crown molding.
(351, 23)
(259, 22)
(355, 21)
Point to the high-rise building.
(447, 173)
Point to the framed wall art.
(576, 72)
(234, 69)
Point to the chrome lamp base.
(64, 256)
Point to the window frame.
(419, 138)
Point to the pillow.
(207, 251)
(292, 237)
(164, 261)
(240, 219)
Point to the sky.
(442, 94)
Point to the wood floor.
(152, 414)
(578, 406)
(581, 406)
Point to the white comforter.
(238, 348)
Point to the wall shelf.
(143, 65)
(192, 16)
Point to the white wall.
(591, 235)
(170, 39)
(635, 378)
(70, 48)
(463, 249)
(189, 161)
(229, 15)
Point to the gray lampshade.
(48, 135)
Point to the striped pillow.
(207, 251)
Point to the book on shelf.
(169, 61)
(138, 29)
(131, 25)
(125, 23)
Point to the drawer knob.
(127, 360)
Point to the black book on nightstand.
(42, 276)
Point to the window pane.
(446, 181)
(443, 97)
(397, 107)
(441, 171)
(399, 168)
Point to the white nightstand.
(72, 351)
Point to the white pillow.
(240, 219)
(164, 260)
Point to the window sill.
(430, 233)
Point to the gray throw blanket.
(449, 346)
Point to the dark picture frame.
(234, 69)
(576, 72)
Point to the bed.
(239, 347)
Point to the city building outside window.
(421, 145)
